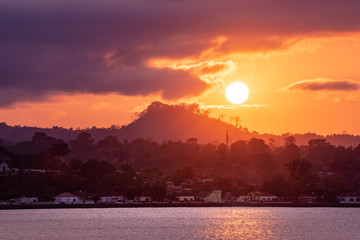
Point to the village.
(67, 198)
(179, 192)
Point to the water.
(181, 223)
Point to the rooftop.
(65, 194)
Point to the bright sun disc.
(237, 92)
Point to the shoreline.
(177, 205)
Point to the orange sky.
(300, 80)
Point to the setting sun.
(237, 92)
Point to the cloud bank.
(103, 46)
(324, 84)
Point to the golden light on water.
(239, 224)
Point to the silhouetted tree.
(83, 147)
(93, 168)
(321, 153)
(75, 165)
(277, 185)
(301, 177)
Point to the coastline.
(177, 205)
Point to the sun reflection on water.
(181, 223)
(238, 224)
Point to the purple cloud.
(324, 84)
(102, 46)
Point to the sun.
(237, 92)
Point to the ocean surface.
(181, 223)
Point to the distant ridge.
(163, 122)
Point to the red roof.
(65, 194)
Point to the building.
(111, 200)
(264, 197)
(142, 199)
(257, 197)
(229, 198)
(185, 198)
(67, 198)
(307, 198)
(244, 198)
(4, 167)
(4, 202)
(348, 198)
(213, 196)
(87, 201)
(26, 200)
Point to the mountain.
(162, 122)
(180, 122)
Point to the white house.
(348, 198)
(4, 167)
(27, 200)
(4, 202)
(257, 197)
(213, 196)
(264, 197)
(142, 199)
(185, 198)
(111, 199)
(244, 198)
(307, 198)
(87, 201)
(67, 198)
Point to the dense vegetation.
(142, 167)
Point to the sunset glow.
(296, 67)
(237, 92)
(205, 119)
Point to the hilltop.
(162, 122)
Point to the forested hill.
(180, 122)
(162, 122)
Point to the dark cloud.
(324, 84)
(102, 46)
(8, 96)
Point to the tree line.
(143, 166)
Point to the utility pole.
(227, 137)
